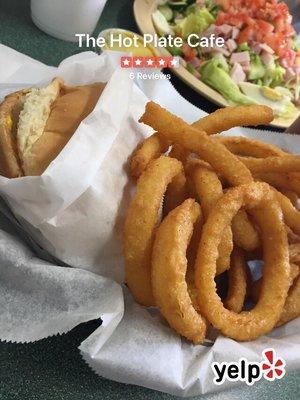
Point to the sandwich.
(36, 124)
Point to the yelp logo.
(271, 367)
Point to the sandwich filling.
(35, 114)
(10, 110)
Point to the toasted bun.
(9, 114)
(71, 106)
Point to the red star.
(126, 62)
(138, 62)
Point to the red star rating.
(126, 62)
(149, 62)
(138, 62)
(173, 62)
(161, 62)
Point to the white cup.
(64, 18)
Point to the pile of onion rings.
(207, 205)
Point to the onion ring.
(256, 286)
(292, 196)
(292, 237)
(244, 233)
(140, 224)
(193, 248)
(179, 152)
(294, 252)
(219, 121)
(280, 181)
(244, 146)
(290, 213)
(173, 128)
(247, 325)
(229, 117)
(176, 193)
(149, 149)
(237, 281)
(209, 190)
(291, 308)
(169, 266)
(287, 163)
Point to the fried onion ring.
(237, 281)
(291, 308)
(219, 121)
(229, 117)
(209, 190)
(244, 146)
(244, 233)
(179, 152)
(290, 213)
(169, 265)
(140, 224)
(292, 196)
(174, 129)
(280, 181)
(294, 251)
(292, 237)
(287, 163)
(150, 148)
(248, 325)
(176, 193)
(256, 286)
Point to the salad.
(260, 61)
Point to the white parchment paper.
(75, 212)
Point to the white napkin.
(75, 211)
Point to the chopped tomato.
(272, 9)
(264, 26)
(282, 25)
(258, 4)
(247, 34)
(274, 40)
(188, 52)
(279, 24)
(263, 21)
(237, 19)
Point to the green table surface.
(52, 368)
